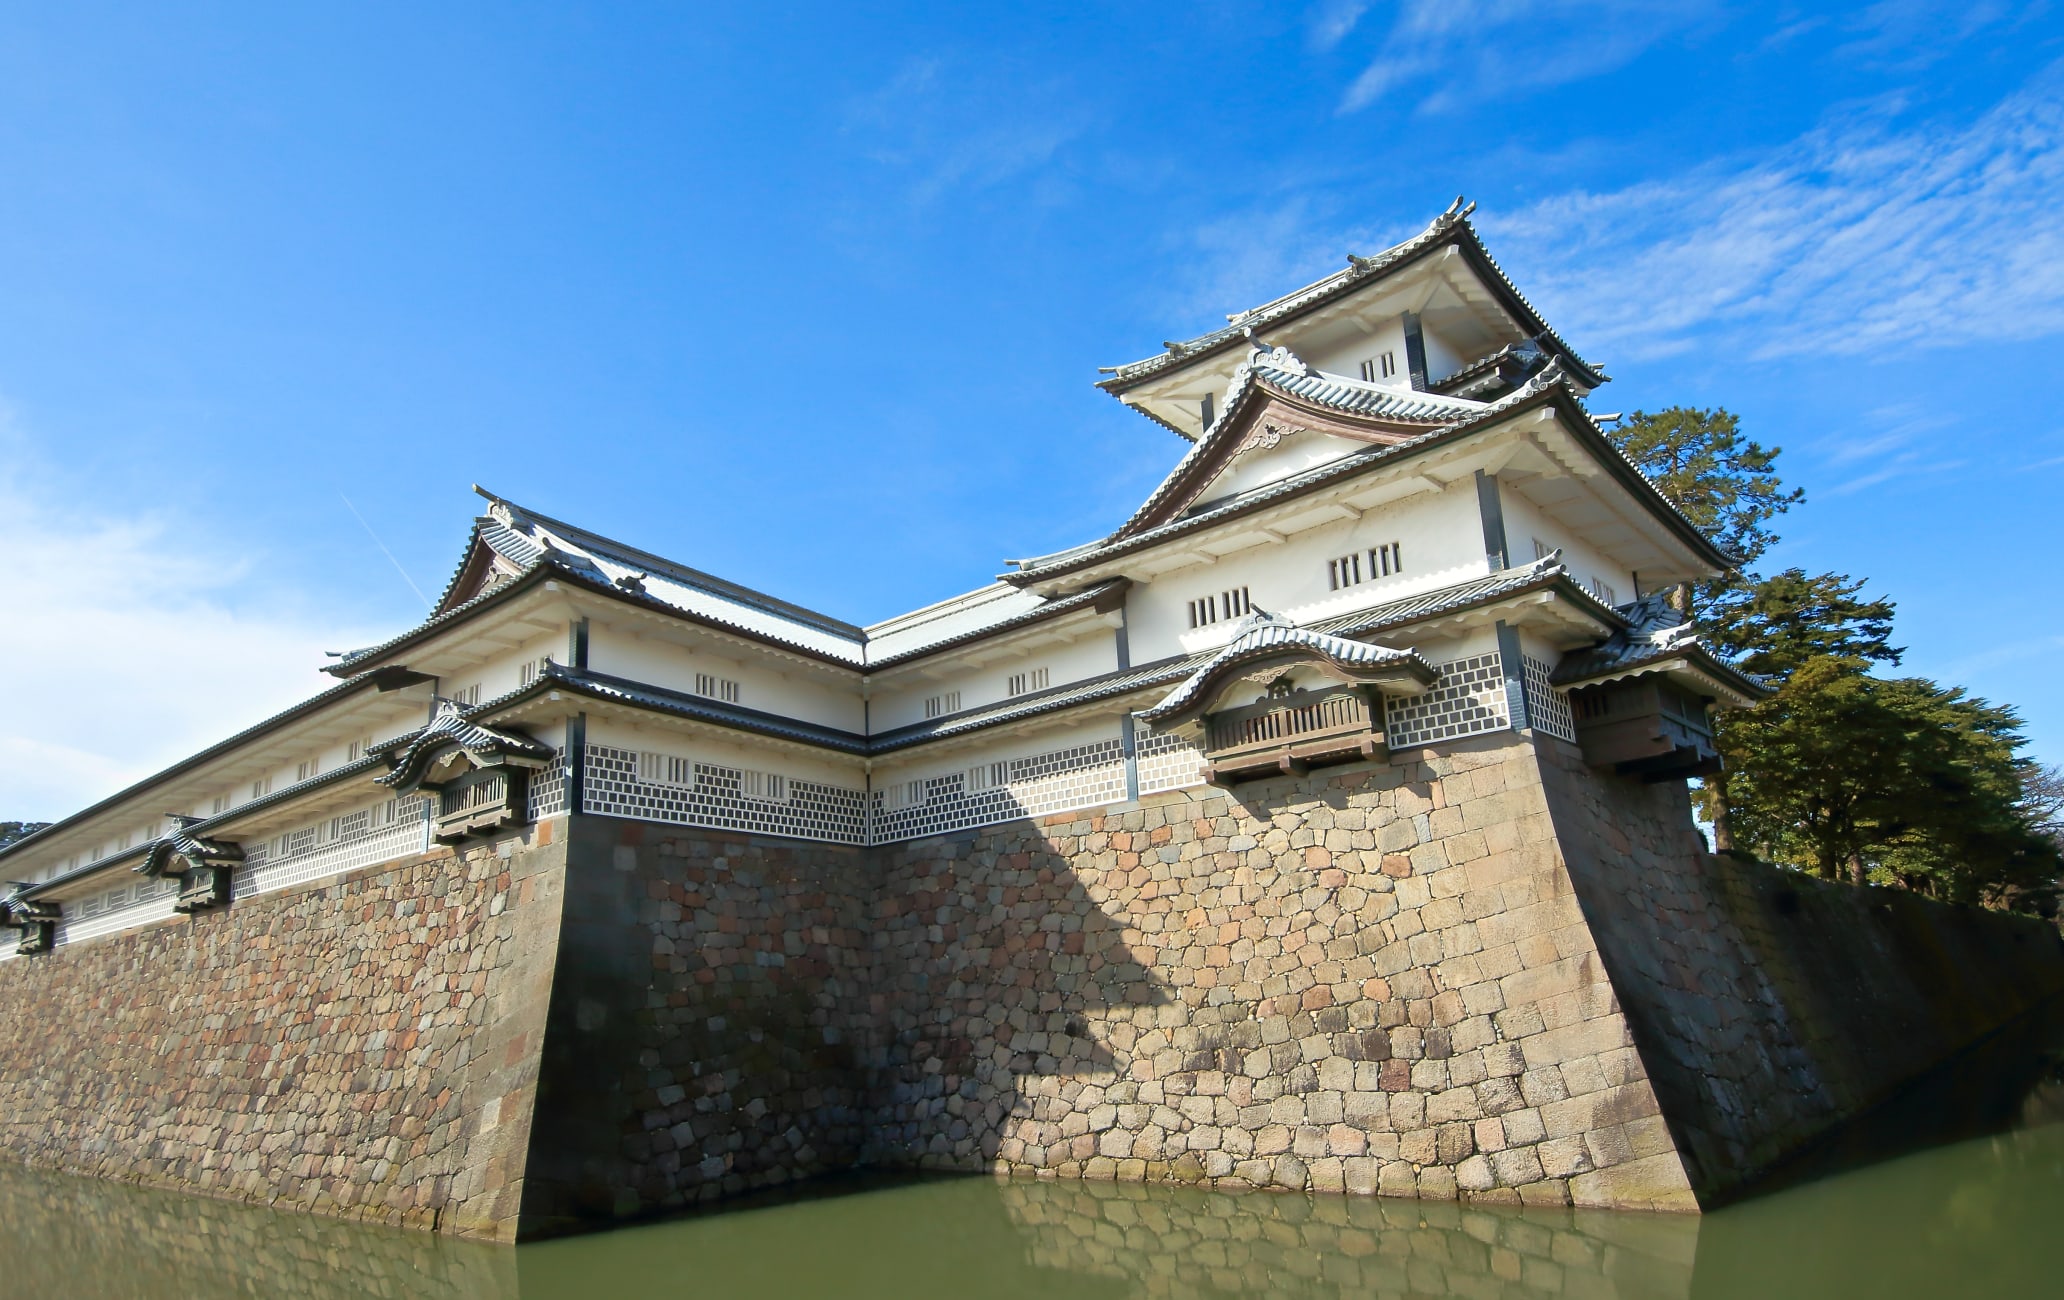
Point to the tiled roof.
(1450, 225)
(1261, 635)
(538, 542)
(351, 686)
(184, 842)
(1123, 682)
(453, 726)
(698, 707)
(1527, 351)
(1280, 369)
(1655, 632)
(1292, 485)
(1540, 575)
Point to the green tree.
(12, 831)
(1902, 782)
(1841, 773)
(1723, 482)
(1783, 622)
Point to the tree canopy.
(1903, 782)
(12, 831)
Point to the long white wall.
(900, 700)
(1440, 541)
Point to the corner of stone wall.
(1769, 1006)
(1370, 979)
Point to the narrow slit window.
(1379, 367)
(1386, 560)
(1024, 683)
(938, 706)
(1231, 603)
(1344, 572)
(716, 688)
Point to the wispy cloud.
(948, 129)
(1474, 48)
(1863, 236)
(2013, 652)
(125, 650)
(1910, 34)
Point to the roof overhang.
(1543, 433)
(1400, 279)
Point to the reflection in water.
(63, 1236)
(1973, 1218)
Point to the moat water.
(1962, 1215)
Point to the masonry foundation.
(1479, 970)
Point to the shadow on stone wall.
(705, 1035)
(72, 1236)
(1002, 991)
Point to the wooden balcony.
(1646, 727)
(483, 800)
(1291, 733)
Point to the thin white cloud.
(125, 649)
(1863, 236)
(948, 131)
(1441, 51)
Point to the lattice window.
(1603, 591)
(547, 791)
(1386, 560)
(1468, 699)
(938, 706)
(1024, 683)
(1548, 707)
(719, 796)
(1167, 761)
(1084, 776)
(389, 829)
(531, 669)
(466, 696)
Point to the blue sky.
(814, 297)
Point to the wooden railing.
(1292, 732)
(1302, 716)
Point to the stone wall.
(1375, 980)
(1771, 1006)
(364, 1047)
(708, 1021)
(1479, 970)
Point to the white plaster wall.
(900, 702)
(1442, 358)
(1440, 535)
(741, 752)
(1345, 356)
(1293, 455)
(1525, 522)
(501, 672)
(1091, 730)
(766, 682)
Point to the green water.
(1981, 1218)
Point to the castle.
(1323, 826)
